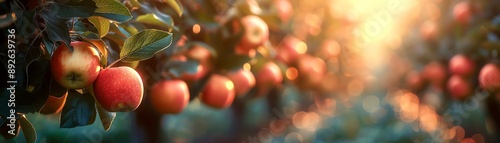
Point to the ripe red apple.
(461, 65)
(435, 73)
(170, 96)
(458, 87)
(290, 49)
(256, 33)
(54, 105)
(218, 92)
(118, 89)
(268, 76)
(462, 12)
(284, 9)
(243, 81)
(489, 77)
(199, 53)
(311, 71)
(77, 69)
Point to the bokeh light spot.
(300, 120)
(196, 29)
(371, 104)
(292, 73)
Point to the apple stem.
(110, 65)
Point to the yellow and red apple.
(75, 69)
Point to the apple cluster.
(458, 78)
(459, 75)
(117, 89)
(171, 95)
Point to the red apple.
(54, 105)
(458, 87)
(118, 89)
(199, 53)
(170, 96)
(489, 77)
(256, 33)
(218, 92)
(311, 71)
(461, 65)
(462, 12)
(268, 76)
(193, 77)
(243, 81)
(77, 69)
(435, 73)
(468, 140)
(290, 49)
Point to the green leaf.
(80, 8)
(153, 19)
(90, 35)
(49, 45)
(113, 10)
(25, 25)
(145, 44)
(78, 110)
(118, 40)
(101, 24)
(177, 68)
(176, 5)
(106, 117)
(7, 19)
(118, 30)
(130, 28)
(56, 27)
(28, 130)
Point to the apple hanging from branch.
(170, 96)
(75, 69)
